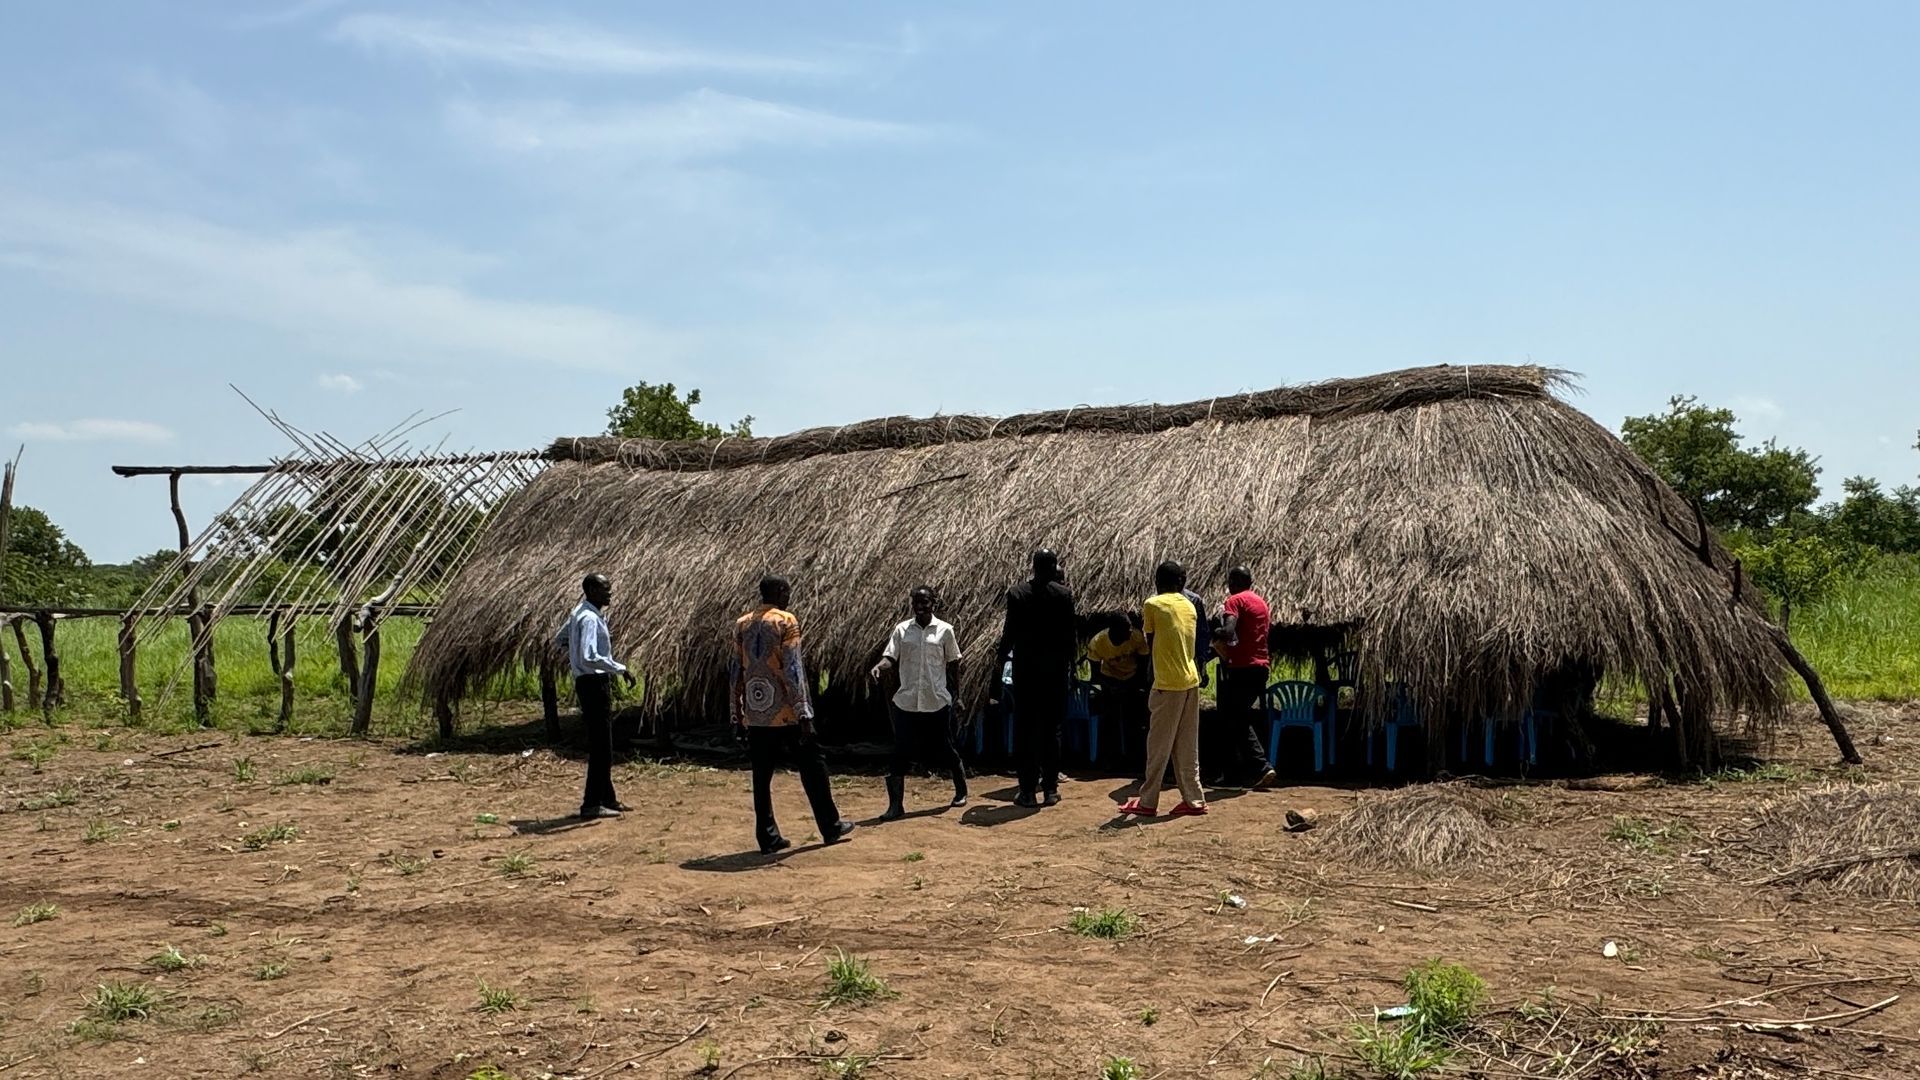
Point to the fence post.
(26, 659)
(286, 675)
(129, 684)
(369, 674)
(55, 692)
(6, 672)
(349, 657)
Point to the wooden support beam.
(413, 610)
(550, 700)
(286, 676)
(199, 634)
(55, 694)
(369, 676)
(1818, 691)
(6, 518)
(349, 655)
(26, 659)
(129, 683)
(443, 714)
(6, 672)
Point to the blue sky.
(819, 213)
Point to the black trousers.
(595, 694)
(1238, 715)
(926, 737)
(1039, 709)
(768, 748)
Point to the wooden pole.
(49, 655)
(443, 714)
(26, 659)
(550, 700)
(1818, 691)
(6, 518)
(199, 634)
(369, 675)
(349, 656)
(6, 672)
(286, 676)
(129, 684)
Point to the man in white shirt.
(590, 654)
(926, 654)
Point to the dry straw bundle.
(1474, 529)
(1428, 829)
(1855, 839)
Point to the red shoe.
(1132, 806)
(1187, 809)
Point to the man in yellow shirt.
(1119, 654)
(1172, 624)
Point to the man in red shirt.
(1243, 678)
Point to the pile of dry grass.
(1859, 840)
(1427, 828)
(1475, 531)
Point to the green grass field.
(248, 690)
(1864, 638)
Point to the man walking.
(1170, 622)
(926, 653)
(1042, 637)
(1243, 679)
(590, 656)
(773, 711)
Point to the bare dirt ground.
(357, 940)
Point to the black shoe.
(837, 833)
(896, 799)
(591, 813)
(1026, 800)
(959, 799)
(894, 813)
(1051, 798)
(779, 844)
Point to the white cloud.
(94, 430)
(554, 47)
(703, 124)
(334, 287)
(345, 384)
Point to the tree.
(1698, 453)
(647, 411)
(42, 565)
(1870, 517)
(1797, 569)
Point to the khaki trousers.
(1174, 733)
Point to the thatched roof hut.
(1474, 531)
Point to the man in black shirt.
(1042, 637)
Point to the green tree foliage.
(647, 411)
(1698, 453)
(1869, 517)
(1796, 569)
(42, 565)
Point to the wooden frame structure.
(342, 535)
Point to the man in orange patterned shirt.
(773, 712)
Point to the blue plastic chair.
(1297, 704)
(1080, 717)
(1404, 718)
(1528, 729)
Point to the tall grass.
(1864, 636)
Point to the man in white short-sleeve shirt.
(925, 652)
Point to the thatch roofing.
(1475, 530)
